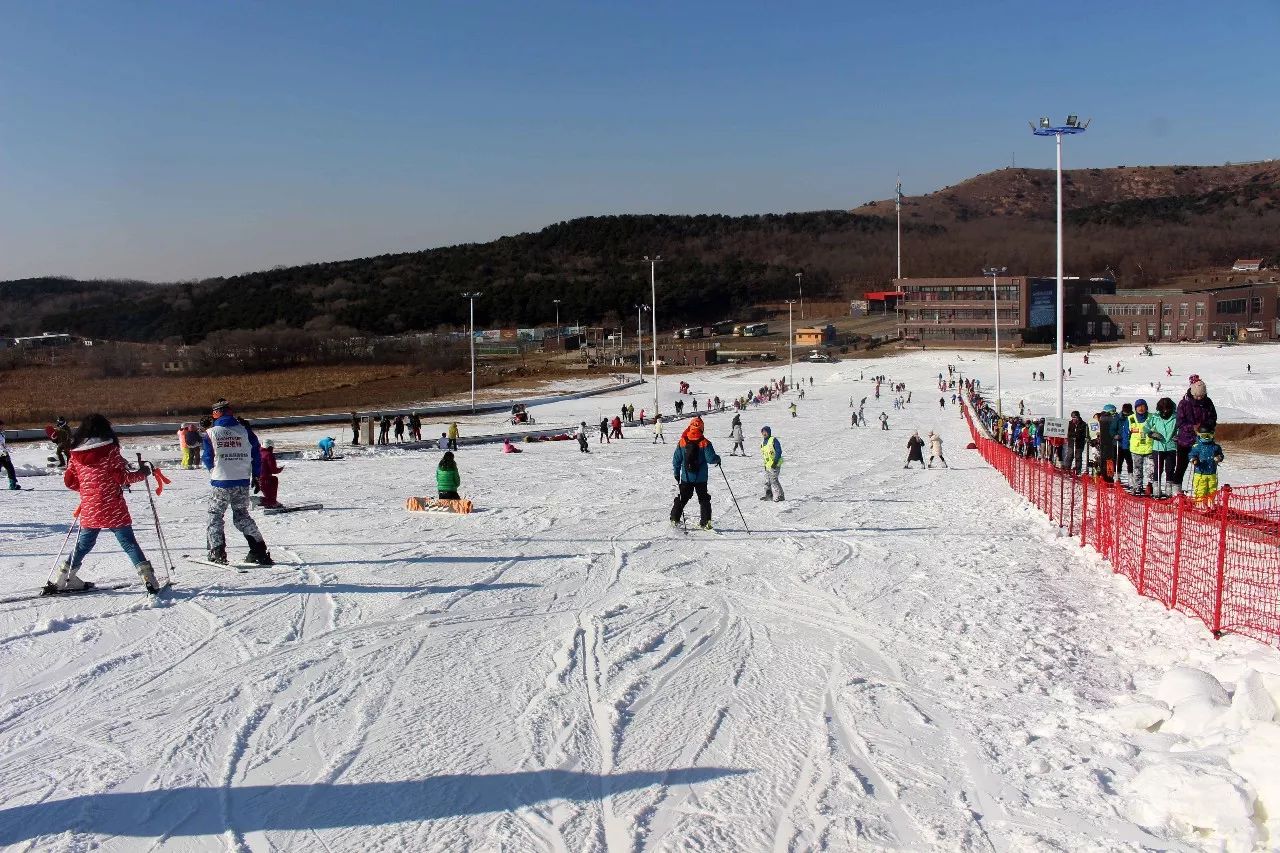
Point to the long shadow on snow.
(222, 592)
(255, 808)
(31, 528)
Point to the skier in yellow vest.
(1140, 446)
(771, 451)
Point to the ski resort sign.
(1055, 427)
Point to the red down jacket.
(98, 472)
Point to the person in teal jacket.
(1162, 428)
(447, 478)
(691, 465)
(1205, 455)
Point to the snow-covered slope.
(905, 660)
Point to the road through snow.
(890, 659)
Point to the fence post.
(1177, 551)
(1117, 501)
(1216, 627)
(1084, 509)
(1142, 555)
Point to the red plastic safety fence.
(1217, 558)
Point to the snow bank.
(1212, 774)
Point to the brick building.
(959, 311)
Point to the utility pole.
(473, 296)
(791, 341)
(653, 301)
(800, 284)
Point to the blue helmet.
(766, 431)
(1137, 403)
(1109, 407)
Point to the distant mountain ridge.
(1145, 223)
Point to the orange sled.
(462, 506)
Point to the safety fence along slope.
(1216, 559)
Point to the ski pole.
(75, 525)
(155, 515)
(734, 499)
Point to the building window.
(1199, 309)
(1089, 328)
(1199, 330)
(1255, 304)
(1166, 309)
(1084, 308)
(1151, 330)
(1182, 330)
(1135, 330)
(1230, 306)
(1106, 329)
(1166, 331)
(1182, 309)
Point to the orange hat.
(694, 430)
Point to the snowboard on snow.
(462, 505)
(277, 510)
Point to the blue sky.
(174, 140)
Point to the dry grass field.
(34, 396)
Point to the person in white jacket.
(657, 430)
(935, 449)
(736, 434)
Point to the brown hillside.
(1030, 192)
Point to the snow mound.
(1198, 798)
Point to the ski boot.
(676, 524)
(148, 576)
(13, 485)
(217, 555)
(258, 553)
(706, 525)
(69, 579)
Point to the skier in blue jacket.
(690, 464)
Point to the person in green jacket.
(1162, 428)
(447, 478)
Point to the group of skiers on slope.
(1155, 449)
(97, 470)
(403, 427)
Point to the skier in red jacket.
(268, 483)
(99, 473)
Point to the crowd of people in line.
(1149, 452)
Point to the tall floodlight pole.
(473, 296)
(800, 284)
(558, 335)
(897, 209)
(1046, 128)
(995, 273)
(791, 343)
(653, 301)
(640, 309)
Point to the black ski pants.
(7, 464)
(686, 492)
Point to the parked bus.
(755, 330)
(723, 328)
(691, 332)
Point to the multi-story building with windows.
(960, 310)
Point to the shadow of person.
(195, 811)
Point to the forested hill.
(1144, 223)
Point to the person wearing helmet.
(691, 463)
(1205, 455)
(1134, 431)
(771, 452)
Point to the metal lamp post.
(800, 284)
(559, 336)
(1046, 128)
(791, 343)
(473, 297)
(653, 301)
(640, 309)
(995, 273)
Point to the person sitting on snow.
(508, 447)
(447, 478)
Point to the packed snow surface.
(889, 659)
